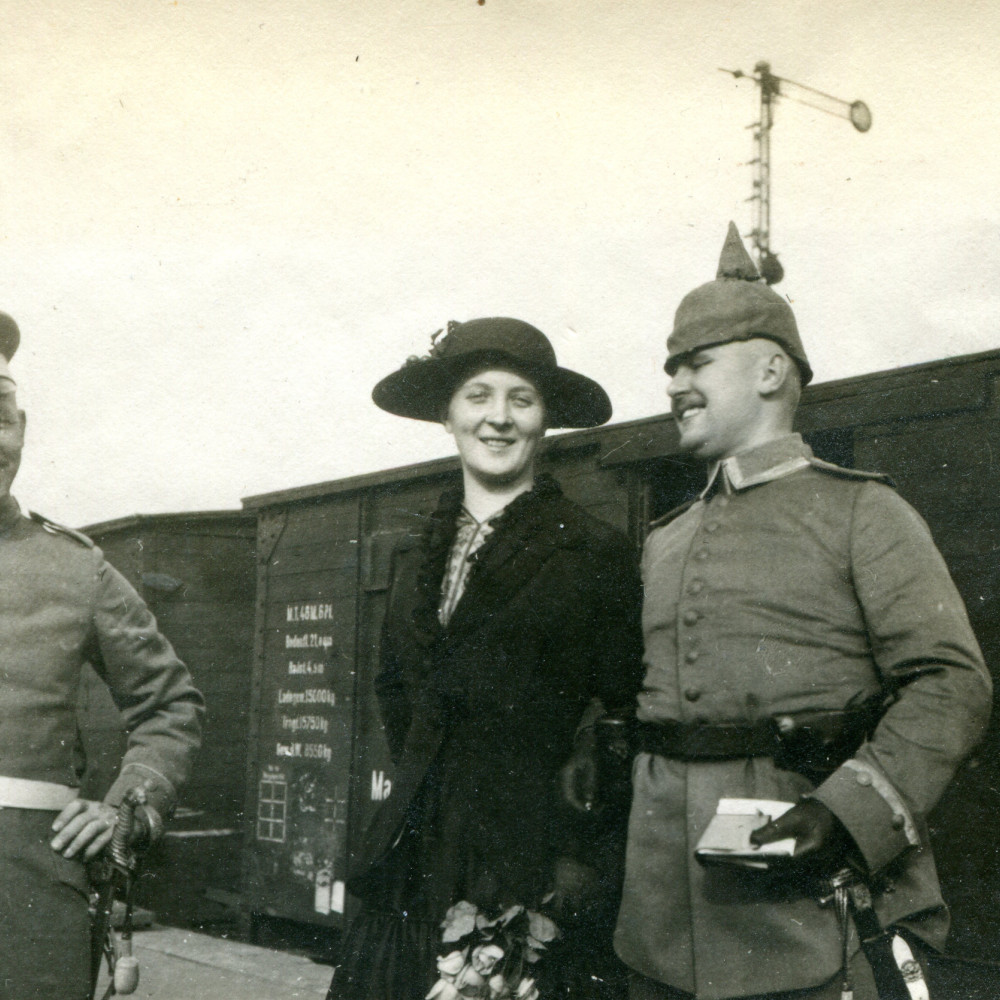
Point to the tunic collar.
(763, 464)
(10, 513)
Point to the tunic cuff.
(160, 793)
(871, 810)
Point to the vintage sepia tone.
(223, 223)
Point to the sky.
(222, 222)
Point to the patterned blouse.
(470, 536)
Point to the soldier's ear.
(775, 371)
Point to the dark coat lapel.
(529, 532)
(533, 527)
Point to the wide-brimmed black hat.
(422, 388)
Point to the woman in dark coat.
(511, 625)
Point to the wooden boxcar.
(319, 765)
(196, 572)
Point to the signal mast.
(771, 88)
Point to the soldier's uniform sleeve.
(161, 708)
(924, 647)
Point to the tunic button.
(691, 655)
(712, 526)
(701, 554)
(898, 822)
(695, 587)
(691, 617)
(864, 779)
(692, 694)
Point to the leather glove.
(821, 840)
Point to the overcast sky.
(222, 222)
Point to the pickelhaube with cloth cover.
(10, 338)
(738, 305)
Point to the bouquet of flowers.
(491, 958)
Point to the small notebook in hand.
(726, 839)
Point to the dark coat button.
(692, 694)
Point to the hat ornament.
(437, 348)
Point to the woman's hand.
(578, 777)
(574, 885)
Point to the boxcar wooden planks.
(303, 709)
(196, 572)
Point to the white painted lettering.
(381, 786)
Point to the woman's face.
(497, 419)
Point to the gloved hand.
(578, 777)
(821, 840)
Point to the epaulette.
(60, 529)
(857, 474)
(671, 514)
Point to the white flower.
(469, 977)
(442, 990)
(509, 914)
(451, 964)
(527, 990)
(498, 987)
(485, 957)
(541, 928)
(458, 921)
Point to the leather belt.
(23, 793)
(693, 741)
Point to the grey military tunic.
(62, 605)
(793, 586)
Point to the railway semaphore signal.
(771, 88)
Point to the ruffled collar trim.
(516, 521)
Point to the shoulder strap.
(672, 514)
(60, 529)
(844, 473)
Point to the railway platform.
(180, 964)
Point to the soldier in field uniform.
(804, 643)
(61, 606)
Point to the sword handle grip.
(120, 853)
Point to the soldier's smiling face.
(715, 399)
(11, 441)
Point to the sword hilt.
(121, 854)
